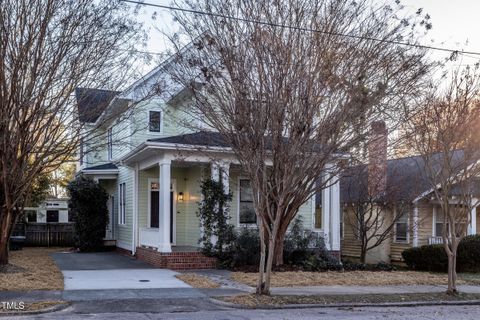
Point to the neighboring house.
(151, 166)
(52, 210)
(406, 192)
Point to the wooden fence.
(45, 234)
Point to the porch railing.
(435, 240)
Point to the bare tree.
(374, 206)
(445, 133)
(292, 85)
(47, 49)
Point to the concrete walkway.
(110, 270)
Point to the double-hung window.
(121, 203)
(110, 143)
(154, 121)
(246, 210)
(401, 226)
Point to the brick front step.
(176, 260)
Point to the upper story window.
(401, 227)
(110, 144)
(154, 121)
(246, 210)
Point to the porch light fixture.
(180, 196)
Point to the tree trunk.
(261, 268)
(452, 274)
(363, 256)
(278, 256)
(5, 230)
(282, 230)
(268, 269)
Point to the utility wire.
(452, 51)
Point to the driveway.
(110, 270)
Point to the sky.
(456, 25)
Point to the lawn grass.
(350, 278)
(197, 281)
(257, 301)
(32, 269)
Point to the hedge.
(434, 258)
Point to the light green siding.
(123, 232)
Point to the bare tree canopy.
(293, 85)
(445, 133)
(47, 49)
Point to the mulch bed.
(257, 301)
(31, 269)
(197, 281)
(348, 278)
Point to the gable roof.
(407, 178)
(92, 102)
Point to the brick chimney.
(377, 159)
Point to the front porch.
(167, 196)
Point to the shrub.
(213, 212)
(354, 266)
(434, 258)
(299, 243)
(468, 254)
(427, 258)
(88, 206)
(246, 248)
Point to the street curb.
(55, 308)
(349, 305)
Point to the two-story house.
(151, 166)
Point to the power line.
(452, 51)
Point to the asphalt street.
(213, 313)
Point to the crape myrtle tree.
(47, 49)
(375, 204)
(445, 132)
(292, 86)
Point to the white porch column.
(326, 213)
(415, 225)
(164, 206)
(335, 214)
(225, 176)
(472, 227)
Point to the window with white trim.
(343, 212)
(246, 211)
(121, 203)
(439, 218)
(154, 121)
(110, 143)
(401, 226)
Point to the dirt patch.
(350, 278)
(36, 271)
(197, 281)
(19, 308)
(256, 301)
